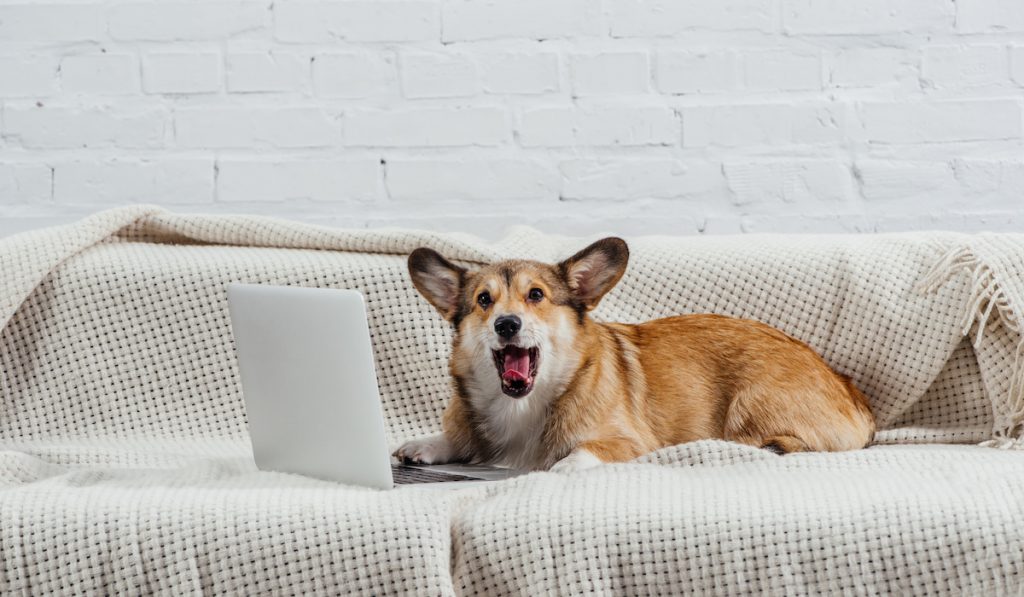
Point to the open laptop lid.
(309, 384)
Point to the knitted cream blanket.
(891, 311)
(123, 446)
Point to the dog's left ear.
(437, 279)
(595, 270)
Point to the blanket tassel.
(986, 296)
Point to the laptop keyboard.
(407, 475)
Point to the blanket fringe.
(986, 296)
(1004, 443)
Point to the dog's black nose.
(507, 326)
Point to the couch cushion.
(725, 519)
(216, 526)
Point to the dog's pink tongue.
(517, 364)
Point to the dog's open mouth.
(517, 368)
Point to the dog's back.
(741, 380)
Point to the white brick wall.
(100, 74)
(261, 71)
(666, 116)
(610, 73)
(276, 180)
(354, 75)
(181, 72)
(127, 180)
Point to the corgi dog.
(538, 384)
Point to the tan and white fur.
(538, 384)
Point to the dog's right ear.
(595, 270)
(437, 279)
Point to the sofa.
(126, 468)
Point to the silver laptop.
(310, 389)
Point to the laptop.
(310, 390)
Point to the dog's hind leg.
(752, 421)
(784, 444)
(778, 444)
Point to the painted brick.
(631, 179)
(100, 73)
(840, 17)
(427, 127)
(519, 73)
(610, 73)
(187, 21)
(264, 180)
(26, 75)
(762, 124)
(52, 23)
(354, 75)
(24, 183)
(788, 181)
(254, 72)
(546, 127)
(134, 181)
(941, 121)
(245, 127)
(624, 126)
(872, 67)
(1017, 64)
(468, 20)
(995, 181)
(888, 180)
(965, 66)
(472, 179)
(179, 72)
(782, 70)
(435, 74)
(72, 127)
(668, 18)
(980, 16)
(372, 21)
(697, 71)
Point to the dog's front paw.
(577, 460)
(427, 450)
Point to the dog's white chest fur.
(514, 427)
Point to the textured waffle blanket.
(125, 465)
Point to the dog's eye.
(484, 299)
(535, 295)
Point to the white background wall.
(677, 116)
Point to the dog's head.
(517, 322)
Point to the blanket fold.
(995, 265)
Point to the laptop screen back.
(309, 384)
